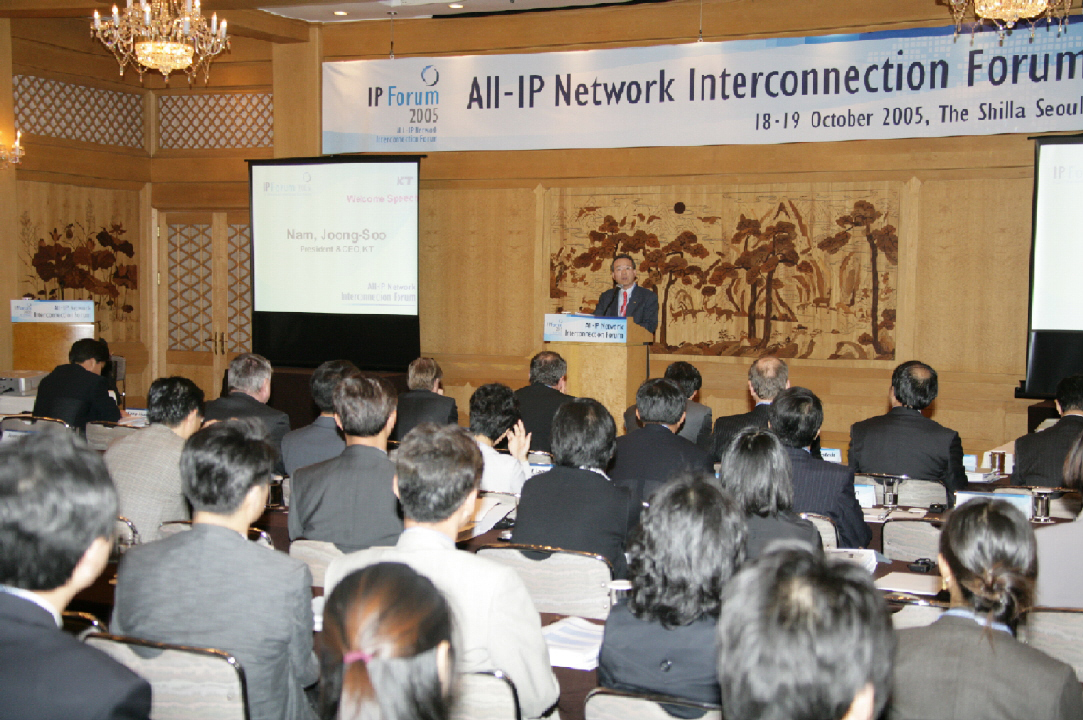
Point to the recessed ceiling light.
(456, 6)
(340, 13)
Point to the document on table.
(488, 512)
(865, 558)
(913, 583)
(574, 643)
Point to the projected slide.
(1058, 238)
(335, 237)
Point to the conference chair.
(13, 427)
(317, 554)
(912, 492)
(101, 434)
(485, 695)
(126, 535)
(81, 624)
(909, 540)
(1065, 503)
(1057, 632)
(172, 527)
(829, 534)
(609, 704)
(913, 610)
(187, 683)
(566, 582)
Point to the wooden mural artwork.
(795, 272)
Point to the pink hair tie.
(355, 655)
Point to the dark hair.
(768, 376)
(88, 349)
(547, 368)
(247, 372)
(690, 541)
(422, 373)
(56, 498)
(1073, 465)
(990, 548)
(796, 416)
(363, 404)
(660, 401)
(584, 434)
(382, 626)
(222, 462)
(621, 256)
(325, 378)
(1070, 393)
(915, 384)
(686, 376)
(438, 466)
(756, 470)
(799, 635)
(493, 410)
(172, 399)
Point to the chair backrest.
(608, 704)
(317, 554)
(485, 695)
(186, 683)
(81, 624)
(1065, 503)
(1057, 632)
(915, 611)
(101, 434)
(922, 493)
(172, 527)
(12, 427)
(829, 534)
(877, 481)
(562, 581)
(910, 540)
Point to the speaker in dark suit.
(627, 299)
(1039, 457)
(77, 393)
(540, 400)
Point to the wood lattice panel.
(190, 316)
(216, 120)
(239, 322)
(76, 112)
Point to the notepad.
(574, 643)
(913, 583)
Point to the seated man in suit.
(575, 506)
(349, 500)
(802, 636)
(767, 377)
(321, 440)
(652, 455)
(425, 400)
(57, 509)
(146, 464)
(626, 298)
(818, 487)
(905, 442)
(697, 417)
(539, 401)
(212, 587)
(496, 625)
(77, 393)
(1039, 457)
(249, 379)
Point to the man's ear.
(91, 564)
(1056, 403)
(391, 420)
(338, 422)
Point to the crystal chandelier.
(1006, 13)
(162, 35)
(14, 155)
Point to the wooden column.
(298, 96)
(9, 211)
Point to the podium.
(607, 358)
(44, 330)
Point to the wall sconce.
(14, 155)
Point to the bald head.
(767, 377)
(914, 385)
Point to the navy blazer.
(418, 406)
(1039, 457)
(75, 395)
(538, 404)
(828, 489)
(642, 306)
(696, 427)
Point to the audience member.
(818, 486)
(1060, 583)
(249, 379)
(57, 509)
(756, 471)
(350, 500)
(1039, 457)
(575, 506)
(77, 393)
(385, 650)
(425, 400)
(767, 377)
(968, 663)
(540, 400)
(494, 416)
(801, 637)
(496, 625)
(905, 442)
(145, 465)
(321, 440)
(626, 298)
(661, 640)
(212, 587)
(697, 417)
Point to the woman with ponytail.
(386, 647)
(968, 663)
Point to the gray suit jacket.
(210, 587)
(696, 427)
(311, 444)
(146, 469)
(1060, 565)
(955, 669)
(348, 500)
(238, 404)
(496, 624)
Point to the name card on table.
(585, 328)
(58, 311)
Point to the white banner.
(914, 83)
(56, 311)
(585, 328)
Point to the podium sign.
(585, 328)
(53, 311)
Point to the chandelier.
(162, 35)
(14, 155)
(1006, 13)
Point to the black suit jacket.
(46, 674)
(1039, 457)
(642, 306)
(75, 395)
(649, 457)
(418, 406)
(828, 489)
(728, 427)
(696, 427)
(239, 404)
(575, 509)
(905, 442)
(538, 404)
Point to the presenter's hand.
(519, 441)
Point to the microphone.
(612, 301)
